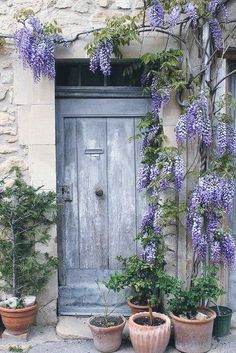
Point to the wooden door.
(96, 172)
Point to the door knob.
(99, 192)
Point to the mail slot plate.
(94, 151)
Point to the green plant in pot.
(192, 320)
(107, 328)
(26, 214)
(145, 276)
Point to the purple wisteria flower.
(223, 12)
(173, 18)
(154, 173)
(195, 122)
(150, 136)
(148, 219)
(102, 58)
(156, 14)
(36, 48)
(156, 99)
(143, 179)
(228, 249)
(210, 198)
(212, 6)
(191, 11)
(225, 139)
(178, 172)
(216, 33)
(149, 254)
(215, 252)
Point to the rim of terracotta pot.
(196, 322)
(21, 310)
(146, 313)
(108, 329)
(137, 306)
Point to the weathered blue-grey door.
(96, 175)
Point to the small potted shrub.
(222, 321)
(26, 213)
(146, 279)
(107, 328)
(149, 332)
(193, 323)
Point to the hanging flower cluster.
(36, 48)
(191, 11)
(159, 97)
(195, 123)
(156, 14)
(210, 201)
(102, 58)
(215, 8)
(167, 171)
(225, 139)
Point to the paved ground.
(45, 340)
(227, 345)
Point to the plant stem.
(150, 313)
(13, 260)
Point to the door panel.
(98, 220)
(93, 251)
(121, 189)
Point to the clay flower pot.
(135, 308)
(149, 339)
(193, 336)
(107, 339)
(18, 321)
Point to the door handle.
(99, 192)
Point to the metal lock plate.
(66, 192)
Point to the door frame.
(64, 92)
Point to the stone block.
(81, 6)
(169, 131)
(26, 91)
(123, 4)
(63, 4)
(6, 149)
(7, 337)
(4, 118)
(139, 4)
(73, 328)
(42, 165)
(3, 93)
(103, 3)
(42, 125)
(8, 130)
(23, 116)
(10, 163)
(47, 315)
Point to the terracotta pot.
(193, 336)
(18, 321)
(149, 339)
(135, 309)
(107, 339)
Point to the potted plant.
(146, 278)
(107, 328)
(193, 322)
(222, 321)
(149, 332)
(26, 213)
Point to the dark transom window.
(78, 74)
